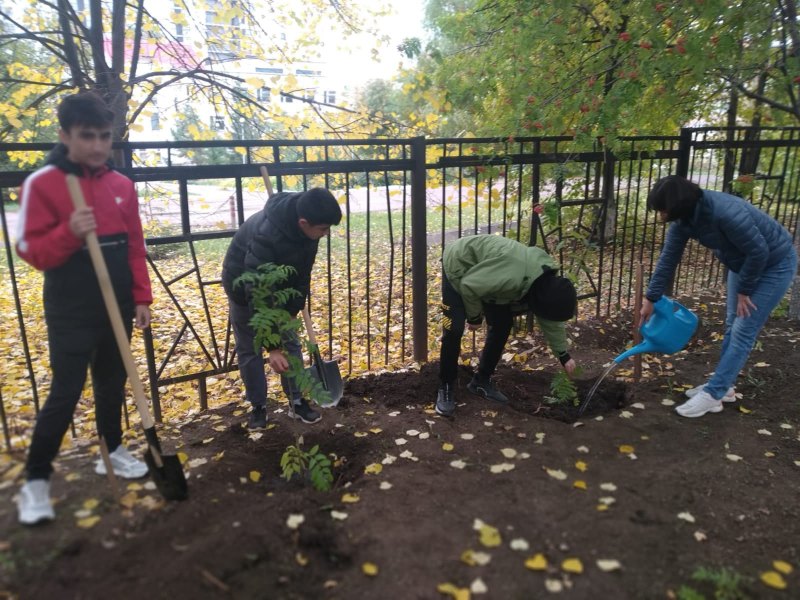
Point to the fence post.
(419, 251)
(684, 152)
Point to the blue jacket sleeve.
(671, 253)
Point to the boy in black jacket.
(285, 232)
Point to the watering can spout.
(668, 330)
(641, 348)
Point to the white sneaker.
(730, 395)
(700, 404)
(123, 463)
(33, 502)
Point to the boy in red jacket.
(50, 237)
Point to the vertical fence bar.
(419, 252)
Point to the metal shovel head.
(169, 477)
(327, 373)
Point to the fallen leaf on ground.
(700, 536)
(608, 564)
(473, 558)
(370, 569)
(501, 468)
(626, 449)
(350, 498)
(519, 544)
(733, 457)
(401, 441)
(91, 503)
(553, 585)
(375, 430)
(774, 580)
(608, 487)
(338, 515)
(764, 432)
(385, 485)
(581, 466)
(373, 469)
(581, 485)
(478, 586)
(556, 474)
(294, 521)
(88, 522)
(572, 565)
(458, 464)
(782, 567)
(457, 593)
(447, 447)
(537, 562)
(467, 436)
(744, 411)
(686, 516)
(360, 434)
(583, 449)
(490, 536)
(508, 452)
(255, 476)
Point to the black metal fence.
(376, 284)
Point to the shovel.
(166, 471)
(325, 371)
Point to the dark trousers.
(498, 319)
(251, 362)
(74, 346)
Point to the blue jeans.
(251, 362)
(741, 333)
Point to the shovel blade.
(169, 478)
(328, 374)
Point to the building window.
(263, 94)
(286, 99)
(178, 32)
(155, 122)
(270, 70)
(308, 72)
(329, 97)
(217, 123)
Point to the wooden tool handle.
(112, 307)
(267, 182)
(309, 327)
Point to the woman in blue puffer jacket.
(761, 262)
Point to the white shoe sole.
(694, 415)
(694, 391)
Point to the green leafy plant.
(271, 322)
(313, 464)
(563, 390)
(726, 584)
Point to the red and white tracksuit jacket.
(45, 240)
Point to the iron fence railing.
(376, 283)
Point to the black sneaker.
(304, 412)
(485, 388)
(446, 400)
(257, 418)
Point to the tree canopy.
(606, 68)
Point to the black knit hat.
(553, 297)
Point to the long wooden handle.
(309, 327)
(267, 182)
(112, 307)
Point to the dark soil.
(231, 538)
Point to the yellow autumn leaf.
(255, 476)
(453, 591)
(744, 411)
(183, 457)
(626, 449)
(490, 536)
(89, 522)
(537, 562)
(91, 503)
(373, 469)
(129, 500)
(447, 447)
(360, 434)
(774, 580)
(350, 498)
(581, 466)
(782, 567)
(370, 569)
(375, 430)
(581, 485)
(572, 565)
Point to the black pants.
(498, 319)
(74, 346)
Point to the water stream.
(597, 383)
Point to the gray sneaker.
(485, 388)
(257, 418)
(445, 400)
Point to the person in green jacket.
(497, 278)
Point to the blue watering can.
(668, 330)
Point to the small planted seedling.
(563, 390)
(313, 464)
